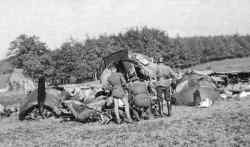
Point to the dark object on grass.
(44, 100)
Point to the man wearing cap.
(164, 76)
(164, 72)
(117, 83)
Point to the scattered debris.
(7, 111)
(244, 94)
(205, 103)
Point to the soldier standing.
(163, 85)
(117, 83)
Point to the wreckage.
(89, 102)
(56, 102)
(232, 77)
(195, 88)
(84, 102)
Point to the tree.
(29, 53)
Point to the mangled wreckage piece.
(195, 90)
(238, 90)
(244, 94)
(40, 102)
(87, 112)
(84, 93)
(55, 104)
(135, 65)
(30, 105)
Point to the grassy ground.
(227, 65)
(11, 98)
(226, 123)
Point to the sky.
(56, 21)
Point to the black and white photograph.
(125, 73)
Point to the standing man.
(164, 72)
(117, 84)
(164, 76)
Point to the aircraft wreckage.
(89, 102)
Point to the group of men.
(135, 95)
(138, 93)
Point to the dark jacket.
(139, 91)
(116, 81)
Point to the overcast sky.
(55, 21)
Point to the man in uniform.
(117, 83)
(141, 98)
(164, 75)
(164, 72)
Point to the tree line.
(77, 61)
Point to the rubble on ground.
(238, 90)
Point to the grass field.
(227, 65)
(11, 98)
(227, 123)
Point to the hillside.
(5, 66)
(6, 69)
(227, 65)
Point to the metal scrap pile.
(61, 104)
(238, 90)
